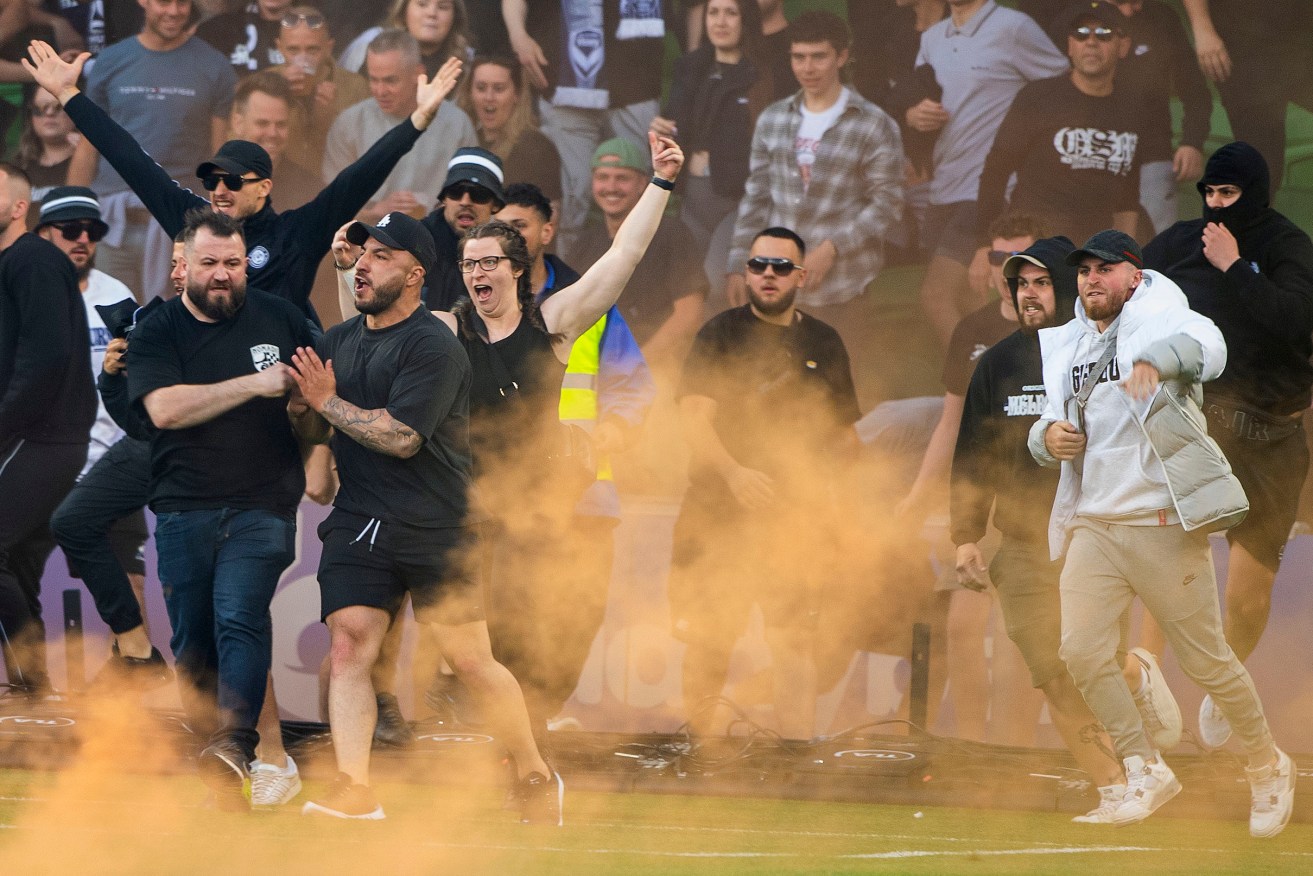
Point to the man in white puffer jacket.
(1119, 523)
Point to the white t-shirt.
(813, 128)
(101, 289)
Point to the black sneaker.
(225, 766)
(345, 799)
(137, 674)
(392, 730)
(541, 799)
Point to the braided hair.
(517, 251)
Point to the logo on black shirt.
(258, 257)
(264, 356)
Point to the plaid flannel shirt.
(855, 195)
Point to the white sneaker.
(1273, 789)
(1214, 729)
(1148, 786)
(271, 786)
(1110, 797)
(1157, 706)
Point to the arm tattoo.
(376, 429)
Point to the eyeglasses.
(783, 267)
(998, 256)
(312, 20)
(488, 263)
(50, 109)
(75, 228)
(231, 180)
(1084, 32)
(478, 194)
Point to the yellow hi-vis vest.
(578, 405)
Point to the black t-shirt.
(784, 394)
(773, 52)
(1076, 157)
(417, 371)
(974, 334)
(246, 39)
(670, 269)
(100, 24)
(246, 458)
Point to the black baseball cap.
(1109, 246)
(238, 157)
(70, 203)
(474, 166)
(399, 231)
(1101, 11)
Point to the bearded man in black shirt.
(209, 368)
(768, 406)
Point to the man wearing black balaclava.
(1250, 270)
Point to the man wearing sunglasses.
(1073, 140)
(768, 405)
(470, 195)
(248, 35)
(321, 90)
(283, 249)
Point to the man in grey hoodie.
(1121, 516)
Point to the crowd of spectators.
(945, 134)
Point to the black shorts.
(1272, 473)
(127, 541)
(368, 562)
(951, 231)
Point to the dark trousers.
(219, 569)
(117, 485)
(34, 478)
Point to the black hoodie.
(1263, 303)
(991, 463)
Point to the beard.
(771, 308)
(84, 270)
(384, 297)
(213, 306)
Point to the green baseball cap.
(619, 152)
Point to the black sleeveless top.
(514, 395)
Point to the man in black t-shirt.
(209, 370)
(394, 385)
(246, 36)
(768, 403)
(1073, 141)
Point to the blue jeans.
(219, 569)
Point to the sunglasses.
(312, 20)
(1084, 32)
(998, 256)
(478, 194)
(74, 229)
(488, 263)
(231, 180)
(783, 267)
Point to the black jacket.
(283, 249)
(46, 391)
(1263, 303)
(716, 113)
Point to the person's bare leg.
(270, 749)
(1085, 738)
(1248, 601)
(1014, 718)
(941, 290)
(495, 691)
(356, 635)
(384, 673)
(968, 670)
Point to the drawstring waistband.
(373, 523)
